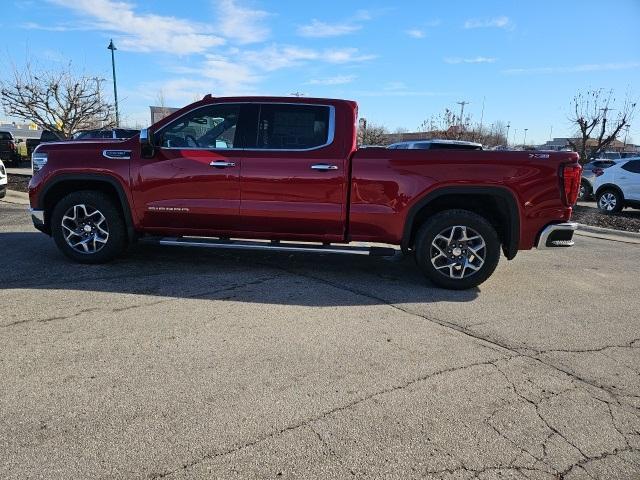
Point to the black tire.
(610, 201)
(427, 253)
(585, 191)
(109, 246)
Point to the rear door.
(293, 182)
(628, 179)
(193, 179)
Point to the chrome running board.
(277, 246)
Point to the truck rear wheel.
(457, 249)
(88, 228)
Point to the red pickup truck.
(275, 171)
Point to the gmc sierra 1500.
(288, 170)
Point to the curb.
(19, 198)
(608, 234)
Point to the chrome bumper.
(557, 235)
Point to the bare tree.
(597, 128)
(56, 100)
(446, 125)
(372, 134)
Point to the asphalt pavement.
(188, 364)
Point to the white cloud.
(591, 67)
(456, 60)
(337, 80)
(395, 86)
(345, 55)
(244, 25)
(319, 29)
(416, 33)
(145, 32)
(497, 22)
(276, 57)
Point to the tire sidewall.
(619, 201)
(446, 219)
(117, 232)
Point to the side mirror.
(147, 149)
(146, 137)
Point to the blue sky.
(402, 61)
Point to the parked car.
(619, 186)
(589, 173)
(287, 170)
(3, 180)
(436, 144)
(45, 136)
(8, 148)
(115, 133)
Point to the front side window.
(214, 126)
(293, 127)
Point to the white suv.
(618, 186)
(3, 180)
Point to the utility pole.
(482, 115)
(508, 127)
(626, 132)
(551, 133)
(113, 48)
(462, 104)
(524, 142)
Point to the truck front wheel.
(457, 249)
(88, 228)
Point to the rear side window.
(633, 166)
(293, 127)
(5, 136)
(603, 164)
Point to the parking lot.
(192, 364)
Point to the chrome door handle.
(222, 164)
(323, 166)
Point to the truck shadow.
(32, 262)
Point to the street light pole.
(462, 104)
(524, 142)
(508, 127)
(113, 48)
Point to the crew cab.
(271, 172)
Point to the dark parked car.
(8, 148)
(436, 144)
(46, 136)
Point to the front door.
(293, 181)
(193, 179)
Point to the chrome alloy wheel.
(607, 201)
(85, 229)
(458, 252)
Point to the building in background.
(158, 113)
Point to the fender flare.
(93, 177)
(510, 249)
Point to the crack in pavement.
(307, 422)
(148, 304)
(483, 339)
(630, 344)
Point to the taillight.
(571, 174)
(598, 171)
(12, 146)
